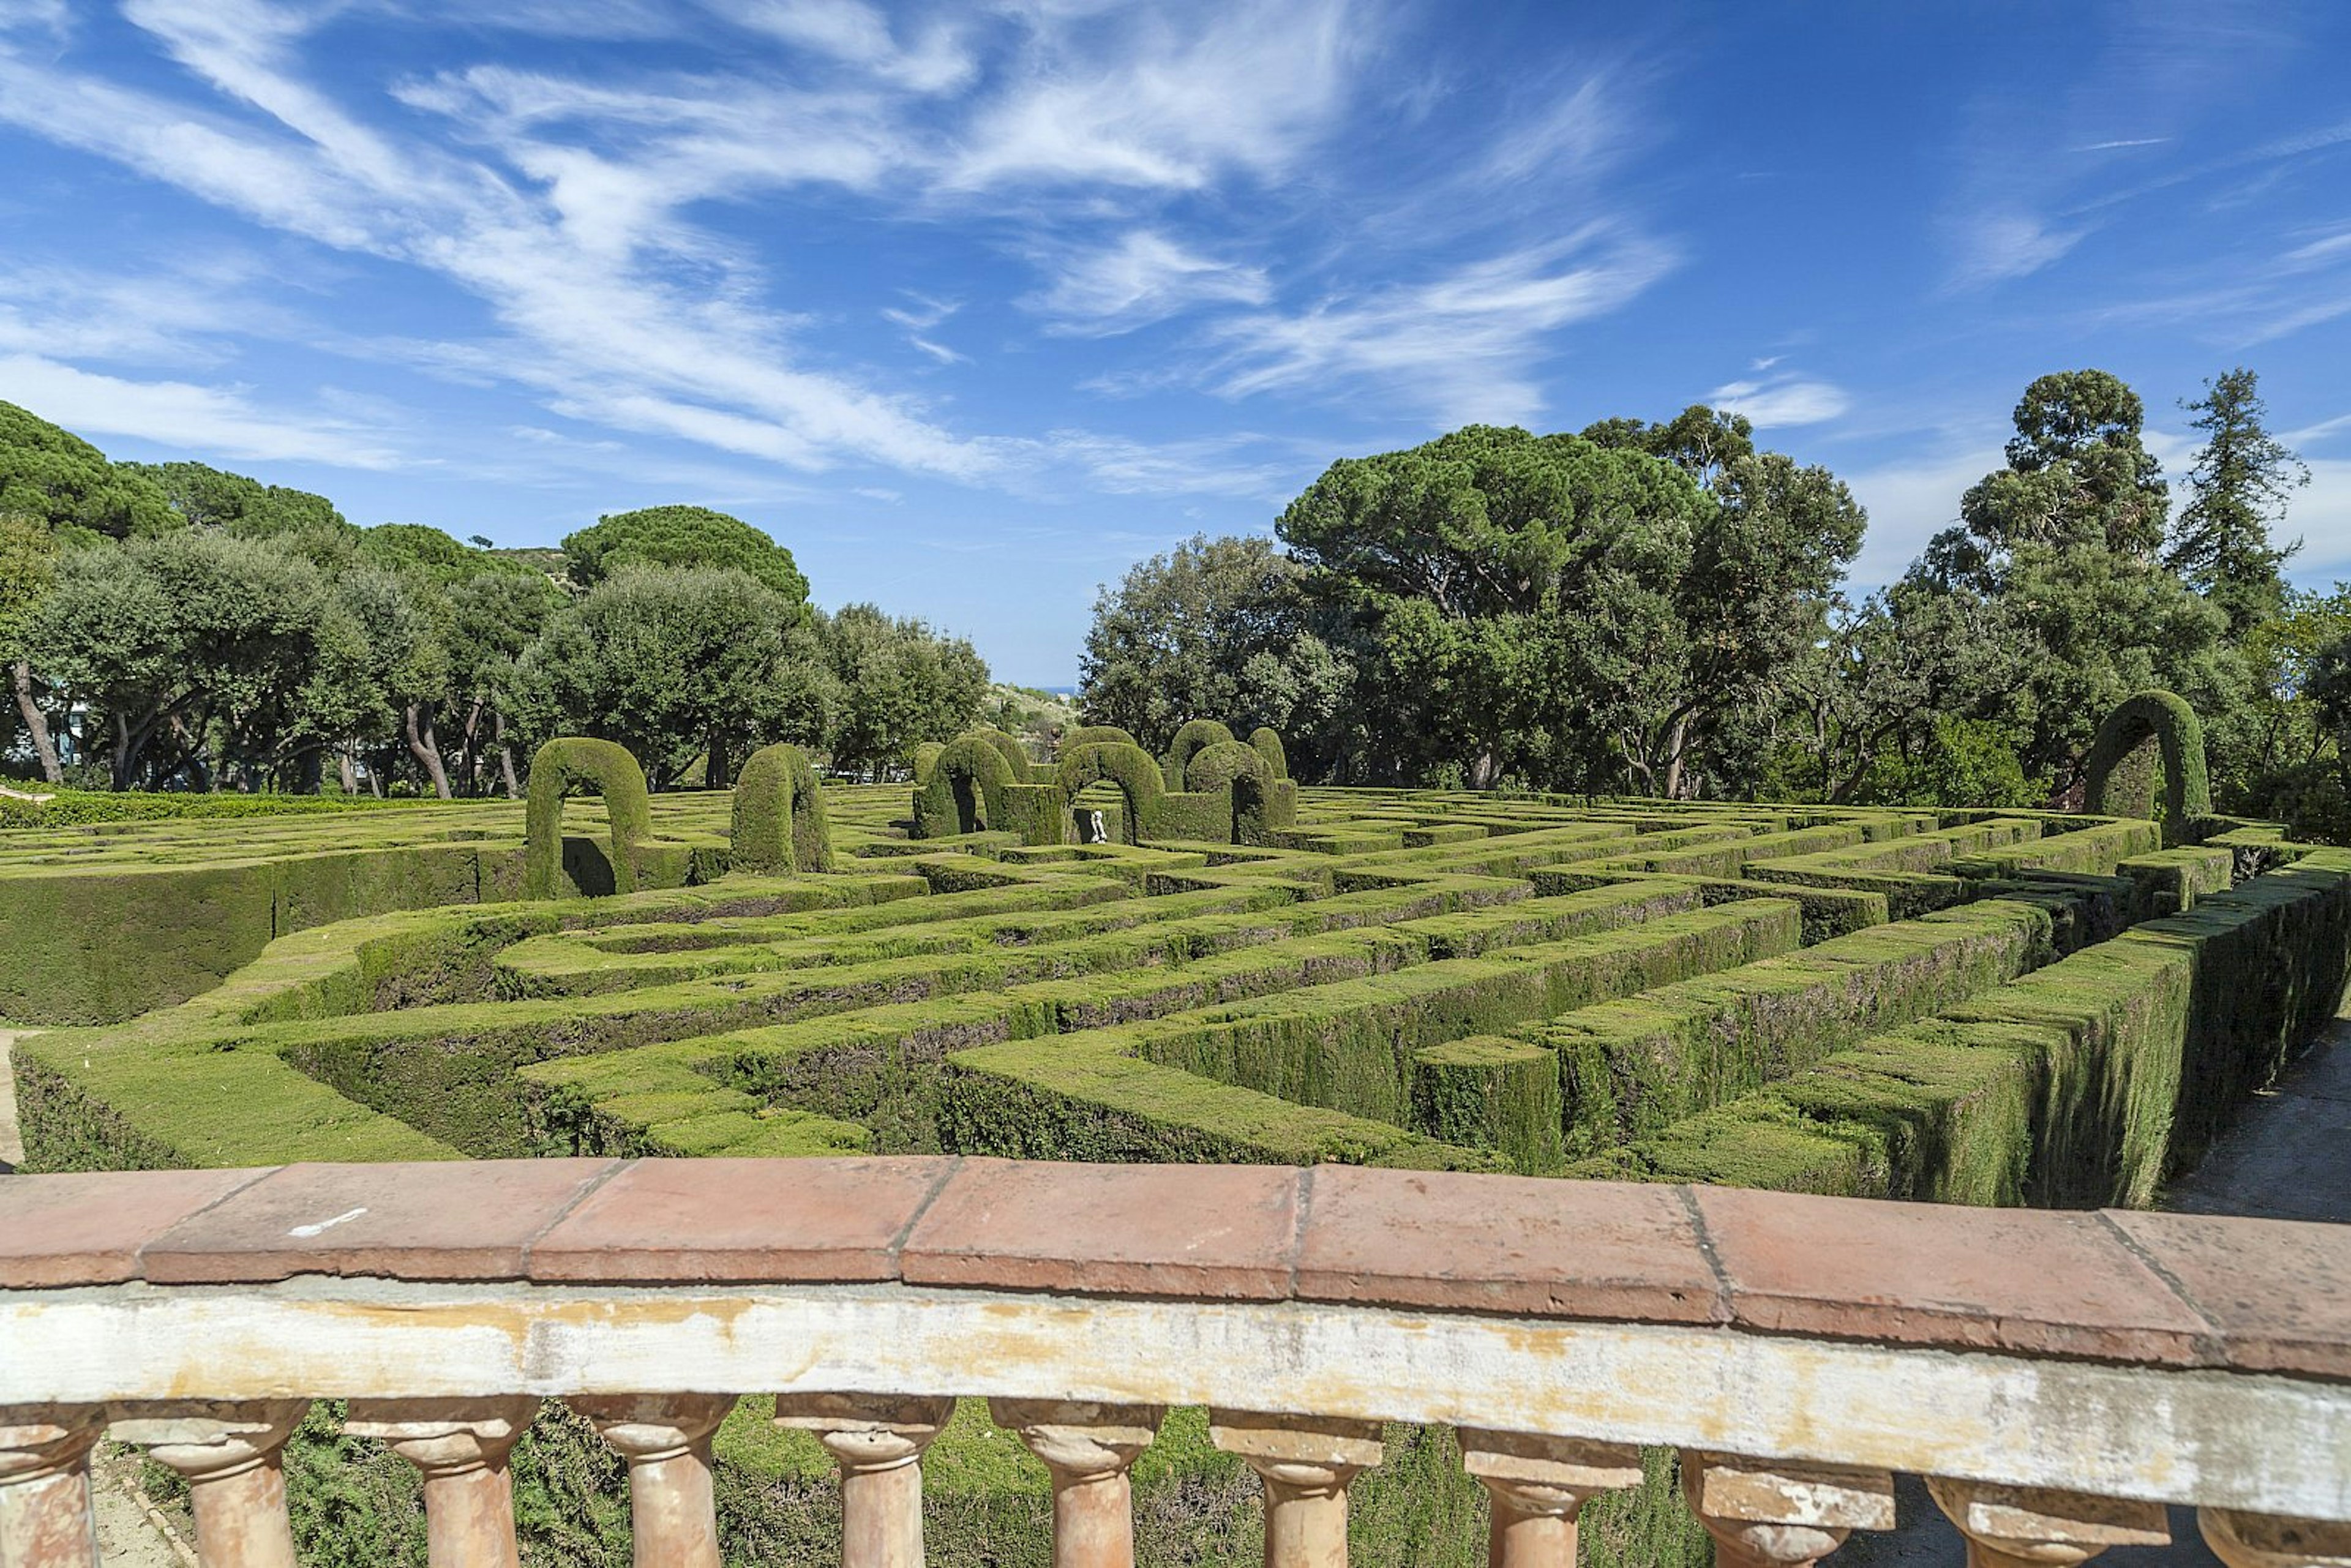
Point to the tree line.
(175, 626)
(1660, 608)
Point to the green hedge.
(79, 808)
(2085, 1083)
(779, 814)
(1632, 1067)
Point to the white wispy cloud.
(1990, 248)
(1466, 346)
(614, 333)
(213, 420)
(1780, 401)
(1142, 278)
(858, 34)
(574, 202)
(1167, 97)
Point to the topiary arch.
(2121, 767)
(966, 790)
(559, 764)
(1014, 755)
(1128, 766)
(1096, 734)
(779, 821)
(1269, 745)
(1197, 735)
(1241, 771)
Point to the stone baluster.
(2032, 1527)
(1778, 1514)
(1306, 1463)
(665, 1438)
(2266, 1540)
(1537, 1486)
(45, 1517)
(460, 1446)
(877, 1439)
(1090, 1448)
(232, 1456)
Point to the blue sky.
(973, 306)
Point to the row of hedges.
(2085, 1082)
(61, 808)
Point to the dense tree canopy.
(59, 479)
(681, 536)
(894, 683)
(2237, 490)
(1216, 628)
(674, 666)
(176, 625)
(1609, 610)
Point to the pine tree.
(2237, 490)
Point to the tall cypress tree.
(2238, 489)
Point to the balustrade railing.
(2058, 1378)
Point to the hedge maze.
(1969, 1006)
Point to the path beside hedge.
(12, 1144)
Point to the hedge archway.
(1096, 734)
(1269, 745)
(779, 818)
(1128, 766)
(1240, 770)
(1194, 737)
(965, 793)
(1014, 755)
(2144, 727)
(559, 764)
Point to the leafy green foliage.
(674, 665)
(895, 685)
(1215, 626)
(55, 477)
(684, 537)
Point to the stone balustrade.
(2058, 1377)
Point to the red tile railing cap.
(1526, 1245)
(1225, 1232)
(820, 1220)
(461, 1219)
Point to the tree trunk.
(472, 747)
(425, 749)
(1676, 736)
(38, 723)
(505, 756)
(343, 768)
(714, 774)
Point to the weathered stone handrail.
(2055, 1375)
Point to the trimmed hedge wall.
(2084, 1084)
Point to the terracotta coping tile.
(462, 1219)
(2027, 1280)
(86, 1229)
(1525, 1245)
(2276, 1291)
(1223, 1231)
(742, 1219)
